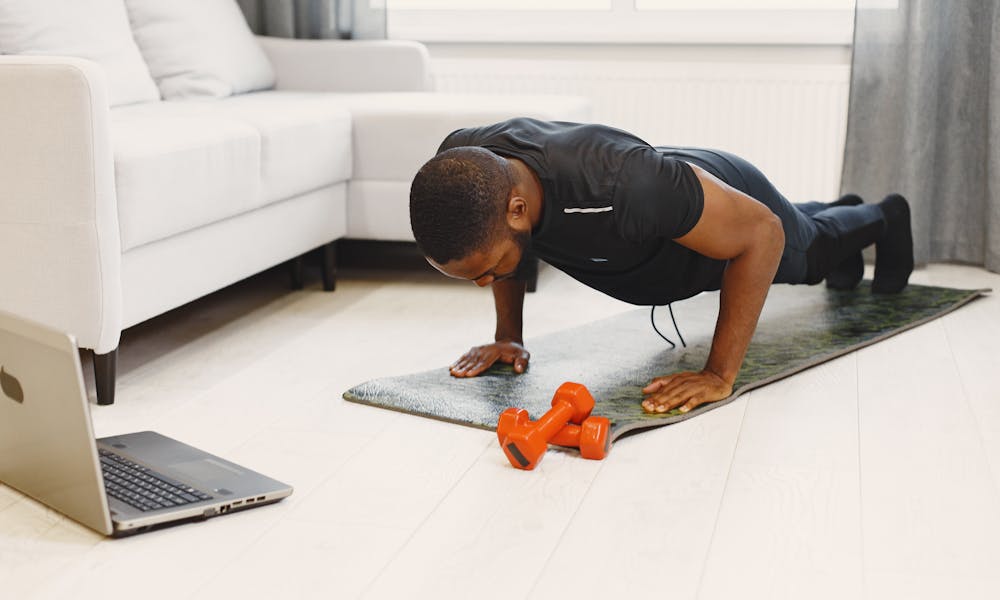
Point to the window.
(518, 5)
(624, 21)
(744, 4)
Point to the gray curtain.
(316, 19)
(924, 120)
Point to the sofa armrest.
(60, 254)
(348, 65)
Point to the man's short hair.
(458, 200)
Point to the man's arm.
(737, 228)
(508, 297)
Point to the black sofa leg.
(105, 373)
(330, 267)
(295, 268)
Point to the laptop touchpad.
(207, 471)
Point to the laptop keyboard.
(142, 488)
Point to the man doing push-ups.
(646, 225)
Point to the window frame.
(622, 23)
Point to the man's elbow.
(770, 233)
(775, 230)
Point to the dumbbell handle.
(568, 436)
(549, 424)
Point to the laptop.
(118, 485)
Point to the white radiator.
(789, 120)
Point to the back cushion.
(97, 30)
(199, 48)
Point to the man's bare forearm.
(744, 288)
(508, 296)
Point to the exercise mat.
(800, 327)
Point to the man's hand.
(480, 358)
(685, 390)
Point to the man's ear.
(517, 213)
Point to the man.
(645, 225)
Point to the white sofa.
(110, 215)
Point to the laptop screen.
(47, 448)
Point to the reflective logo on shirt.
(601, 209)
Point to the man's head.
(466, 216)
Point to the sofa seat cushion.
(173, 174)
(396, 133)
(305, 140)
(180, 165)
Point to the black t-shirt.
(612, 206)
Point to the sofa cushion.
(97, 30)
(173, 174)
(305, 140)
(199, 48)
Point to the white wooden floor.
(872, 476)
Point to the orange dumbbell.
(567, 423)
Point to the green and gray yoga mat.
(801, 327)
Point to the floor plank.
(490, 536)
(973, 337)
(929, 501)
(644, 528)
(784, 527)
